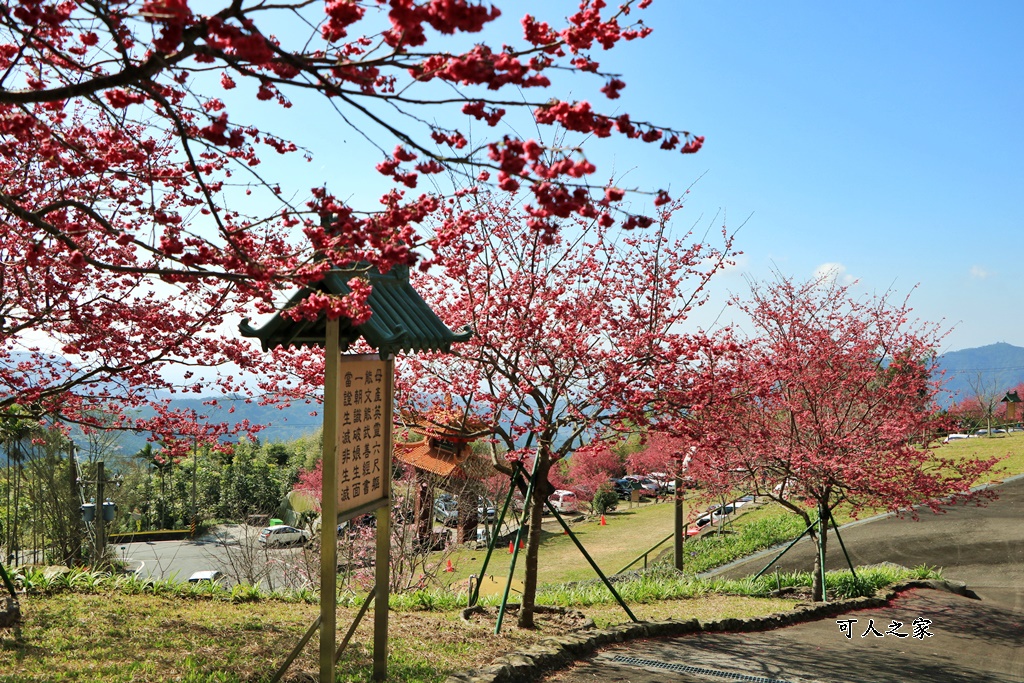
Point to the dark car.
(648, 487)
(624, 487)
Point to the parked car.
(662, 479)
(283, 535)
(446, 511)
(721, 511)
(485, 510)
(625, 487)
(564, 501)
(369, 520)
(698, 525)
(648, 487)
(211, 575)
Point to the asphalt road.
(971, 640)
(230, 549)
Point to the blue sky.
(882, 137)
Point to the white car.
(283, 535)
(563, 501)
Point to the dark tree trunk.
(468, 518)
(541, 490)
(818, 579)
(424, 509)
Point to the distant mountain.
(995, 368)
(282, 423)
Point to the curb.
(553, 654)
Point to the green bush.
(605, 500)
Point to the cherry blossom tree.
(589, 468)
(148, 207)
(662, 452)
(568, 330)
(824, 405)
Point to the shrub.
(605, 500)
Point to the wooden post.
(680, 531)
(383, 566)
(329, 504)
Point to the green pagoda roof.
(401, 320)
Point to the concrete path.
(957, 639)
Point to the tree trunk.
(541, 490)
(468, 519)
(818, 578)
(424, 508)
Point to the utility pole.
(76, 536)
(195, 468)
(101, 527)
(97, 513)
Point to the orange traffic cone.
(511, 547)
(603, 523)
(522, 545)
(449, 568)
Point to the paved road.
(230, 549)
(971, 640)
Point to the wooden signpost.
(358, 393)
(357, 437)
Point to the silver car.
(283, 535)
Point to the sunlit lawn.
(628, 533)
(1010, 447)
(616, 544)
(113, 638)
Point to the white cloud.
(834, 271)
(979, 273)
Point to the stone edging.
(556, 653)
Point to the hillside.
(995, 368)
(282, 423)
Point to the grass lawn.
(628, 533)
(113, 638)
(1010, 447)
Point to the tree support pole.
(7, 582)
(295, 652)
(589, 559)
(835, 527)
(475, 592)
(822, 529)
(515, 554)
(786, 550)
(101, 524)
(355, 623)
